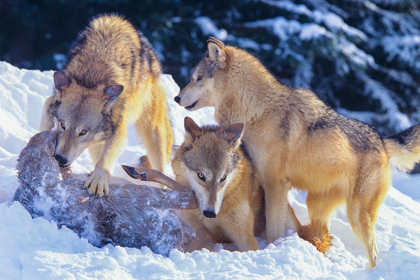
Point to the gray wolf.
(212, 162)
(111, 79)
(295, 139)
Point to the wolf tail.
(404, 148)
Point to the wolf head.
(81, 115)
(211, 160)
(198, 93)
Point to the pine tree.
(362, 57)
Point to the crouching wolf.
(294, 139)
(212, 163)
(111, 79)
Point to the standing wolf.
(111, 79)
(294, 139)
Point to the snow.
(331, 21)
(312, 31)
(385, 96)
(60, 60)
(37, 249)
(298, 9)
(286, 29)
(280, 26)
(405, 49)
(208, 27)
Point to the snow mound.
(37, 249)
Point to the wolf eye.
(201, 176)
(62, 125)
(200, 77)
(83, 132)
(223, 178)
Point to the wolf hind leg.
(155, 140)
(46, 122)
(155, 130)
(362, 224)
(145, 162)
(320, 207)
(362, 209)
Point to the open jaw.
(191, 106)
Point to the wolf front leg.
(277, 207)
(97, 182)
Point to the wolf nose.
(209, 214)
(61, 160)
(177, 99)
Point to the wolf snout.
(177, 99)
(61, 159)
(209, 214)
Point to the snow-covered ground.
(37, 249)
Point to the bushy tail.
(404, 148)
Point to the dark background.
(361, 57)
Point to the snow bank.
(37, 249)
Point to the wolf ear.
(233, 133)
(216, 51)
(111, 94)
(60, 80)
(192, 128)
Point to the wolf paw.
(97, 182)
